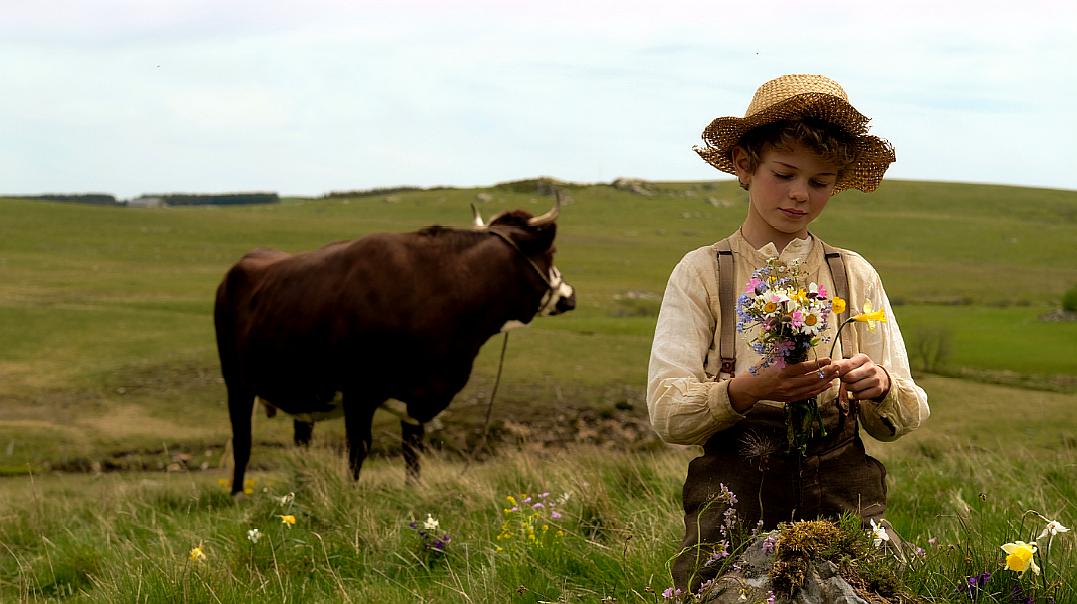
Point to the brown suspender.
(727, 350)
(841, 289)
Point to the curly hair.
(824, 139)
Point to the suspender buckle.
(728, 366)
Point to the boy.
(799, 143)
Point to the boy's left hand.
(862, 378)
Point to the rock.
(633, 185)
(750, 580)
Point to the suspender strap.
(728, 303)
(841, 289)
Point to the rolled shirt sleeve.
(686, 405)
(905, 406)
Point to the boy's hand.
(791, 383)
(862, 378)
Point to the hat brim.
(873, 154)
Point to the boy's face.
(788, 190)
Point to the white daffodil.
(431, 523)
(1053, 528)
(878, 534)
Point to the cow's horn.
(477, 217)
(548, 217)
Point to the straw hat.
(803, 95)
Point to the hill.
(105, 312)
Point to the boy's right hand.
(790, 383)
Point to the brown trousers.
(773, 486)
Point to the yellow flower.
(1019, 556)
(838, 305)
(224, 483)
(770, 307)
(197, 554)
(511, 500)
(801, 296)
(287, 519)
(870, 316)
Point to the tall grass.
(113, 538)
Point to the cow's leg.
(412, 443)
(358, 417)
(303, 431)
(240, 408)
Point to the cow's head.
(533, 238)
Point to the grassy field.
(108, 360)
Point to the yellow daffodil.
(838, 305)
(224, 483)
(197, 554)
(801, 296)
(288, 519)
(1019, 557)
(870, 315)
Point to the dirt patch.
(454, 434)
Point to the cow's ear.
(535, 240)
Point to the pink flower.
(798, 318)
(750, 288)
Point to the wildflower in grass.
(254, 535)
(768, 544)
(287, 519)
(198, 554)
(1019, 557)
(669, 593)
(1053, 528)
(286, 500)
(974, 584)
(878, 534)
(431, 523)
(771, 598)
(530, 522)
(432, 541)
(224, 483)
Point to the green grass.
(108, 358)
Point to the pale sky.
(302, 98)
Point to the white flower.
(878, 534)
(431, 523)
(287, 499)
(1053, 528)
(254, 535)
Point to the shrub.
(1069, 299)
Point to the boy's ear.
(740, 163)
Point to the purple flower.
(538, 506)
(771, 597)
(555, 515)
(768, 544)
(671, 593)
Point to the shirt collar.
(798, 249)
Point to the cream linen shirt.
(686, 404)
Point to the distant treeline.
(221, 199)
(94, 198)
(374, 192)
(162, 199)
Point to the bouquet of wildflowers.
(790, 316)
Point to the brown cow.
(388, 316)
